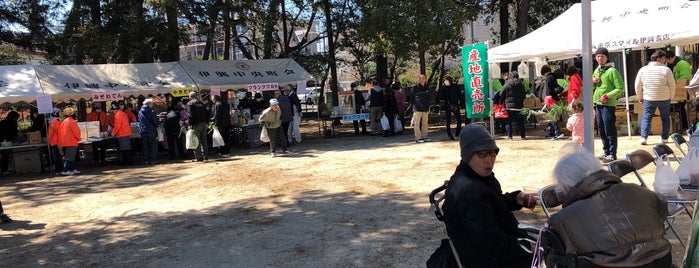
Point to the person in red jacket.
(122, 106)
(99, 148)
(122, 130)
(68, 138)
(54, 128)
(574, 85)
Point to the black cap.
(603, 51)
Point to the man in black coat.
(222, 121)
(451, 100)
(359, 104)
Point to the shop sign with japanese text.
(108, 96)
(263, 87)
(181, 91)
(476, 84)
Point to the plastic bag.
(192, 140)
(500, 111)
(161, 134)
(688, 171)
(263, 135)
(217, 139)
(384, 123)
(666, 181)
(397, 125)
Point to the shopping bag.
(384, 123)
(217, 139)
(500, 111)
(161, 134)
(398, 127)
(263, 135)
(191, 140)
(688, 171)
(666, 181)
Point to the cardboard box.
(656, 124)
(34, 137)
(680, 91)
(532, 103)
(638, 109)
(27, 161)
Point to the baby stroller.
(446, 255)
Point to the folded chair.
(679, 140)
(661, 150)
(675, 207)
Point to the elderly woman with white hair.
(605, 222)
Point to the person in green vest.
(607, 86)
(682, 70)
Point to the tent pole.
(587, 74)
(626, 93)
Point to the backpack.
(539, 83)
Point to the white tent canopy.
(616, 25)
(19, 83)
(240, 73)
(65, 82)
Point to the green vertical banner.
(476, 90)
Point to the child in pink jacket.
(576, 123)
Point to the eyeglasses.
(483, 154)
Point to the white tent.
(616, 25)
(19, 83)
(65, 82)
(240, 73)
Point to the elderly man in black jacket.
(420, 98)
(477, 214)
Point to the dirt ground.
(345, 201)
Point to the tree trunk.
(522, 22)
(173, 41)
(227, 30)
(504, 21)
(269, 32)
(381, 67)
(423, 63)
(331, 51)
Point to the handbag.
(500, 111)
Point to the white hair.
(575, 164)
